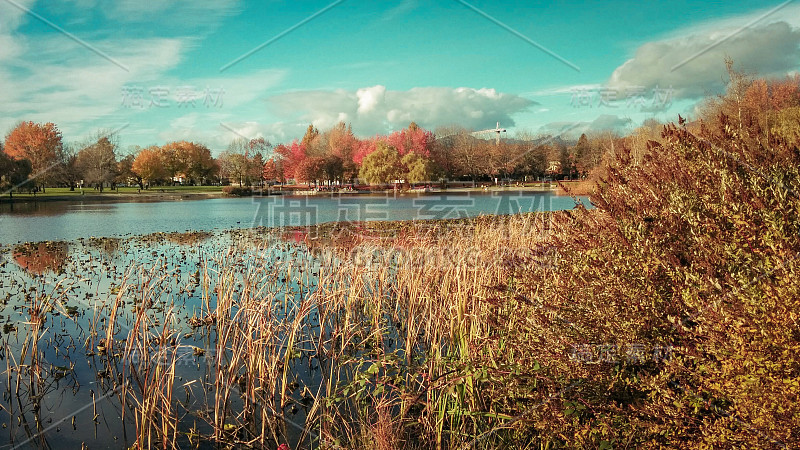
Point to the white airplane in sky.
(496, 130)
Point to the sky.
(213, 71)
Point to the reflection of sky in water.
(95, 269)
(64, 221)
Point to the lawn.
(65, 192)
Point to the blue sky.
(135, 66)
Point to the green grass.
(65, 192)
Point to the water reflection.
(42, 257)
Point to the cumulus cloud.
(693, 64)
(376, 109)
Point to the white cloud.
(693, 63)
(11, 16)
(60, 81)
(376, 109)
(51, 78)
(368, 98)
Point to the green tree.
(381, 166)
(417, 168)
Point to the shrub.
(237, 191)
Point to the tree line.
(34, 156)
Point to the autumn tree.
(41, 144)
(310, 170)
(289, 157)
(149, 166)
(273, 171)
(199, 164)
(587, 154)
(343, 144)
(173, 159)
(469, 154)
(502, 156)
(637, 142)
(311, 135)
(363, 148)
(69, 173)
(413, 139)
(443, 150)
(533, 160)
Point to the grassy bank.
(118, 194)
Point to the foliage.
(310, 169)
(237, 191)
(12, 172)
(381, 166)
(148, 165)
(41, 144)
(417, 168)
(664, 317)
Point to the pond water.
(121, 311)
(52, 221)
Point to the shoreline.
(165, 195)
(112, 197)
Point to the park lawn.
(65, 192)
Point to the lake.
(51, 221)
(121, 328)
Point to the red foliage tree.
(364, 148)
(413, 139)
(291, 156)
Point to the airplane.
(497, 130)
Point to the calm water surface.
(75, 398)
(50, 221)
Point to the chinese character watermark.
(139, 97)
(283, 211)
(632, 96)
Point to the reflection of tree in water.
(35, 208)
(41, 257)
